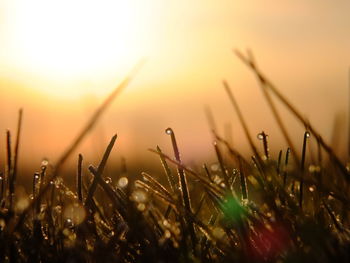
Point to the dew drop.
(123, 182)
(58, 209)
(168, 131)
(44, 162)
(108, 180)
(139, 196)
(75, 213)
(141, 207)
(217, 179)
(311, 189)
(167, 234)
(214, 167)
(307, 134)
(1, 178)
(260, 136)
(36, 176)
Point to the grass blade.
(241, 118)
(100, 169)
(79, 178)
(303, 157)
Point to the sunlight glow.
(73, 39)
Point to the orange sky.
(58, 59)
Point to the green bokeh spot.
(233, 211)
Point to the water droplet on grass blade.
(123, 182)
(169, 131)
(139, 196)
(141, 207)
(108, 180)
(167, 234)
(44, 162)
(214, 167)
(75, 213)
(260, 136)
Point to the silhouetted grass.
(237, 210)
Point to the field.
(293, 207)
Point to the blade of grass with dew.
(183, 186)
(207, 184)
(263, 136)
(150, 180)
(100, 169)
(286, 168)
(244, 188)
(303, 157)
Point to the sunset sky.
(59, 59)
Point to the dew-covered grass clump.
(285, 208)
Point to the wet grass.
(264, 209)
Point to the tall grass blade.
(279, 162)
(263, 136)
(243, 180)
(303, 157)
(286, 168)
(79, 178)
(183, 185)
(8, 158)
(241, 118)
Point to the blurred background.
(60, 59)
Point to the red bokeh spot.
(267, 243)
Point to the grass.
(238, 210)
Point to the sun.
(77, 39)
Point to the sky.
(60, 59)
